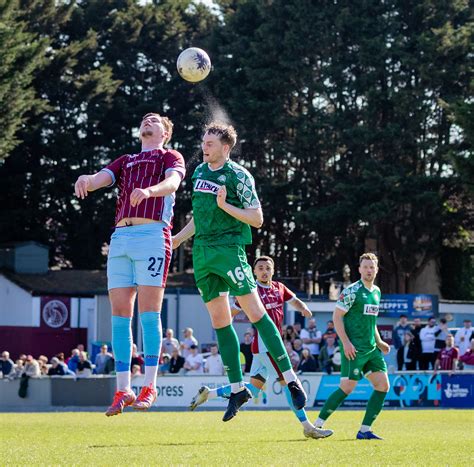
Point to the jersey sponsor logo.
(205, 186)
(371, 310)
(270, 306)
(130, 164)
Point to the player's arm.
(301, 306)
(337, 317)
(167, 187)
(382, 345)
(87, 183)
(184, 234)
(251, 216)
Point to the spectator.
(81, 348)
(84, 366)
(440, 334)
(246, 349)
(468, 358)
(43, 364)
(448, 357)
(137, 359)
(176, 362)
(428, 338)
(311, 338)
(327, 353)
(330, 331)
(164, 366)
(56, 368)
(194, 362)
(7, 367)
(294, 357)
(170, 342)
(67, 371)
(187, 342)
(289, 335)
(298, 346)
(297, 328)
(415, 330)
(399, 332)
(73, 360)
(463, 337)
(32, 368)
(19, 368)
(408, 353)
(213, 364)
(136, 371)
(307, 362)
(101, 360)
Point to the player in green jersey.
(355, 319)
(225, 205)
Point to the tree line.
(356, 118)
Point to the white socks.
(237, 387)
(319, 423)
(150, 376)
(123, 380)
(289, 376)
(364, 428)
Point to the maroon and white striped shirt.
(143, 170)
(446, 358)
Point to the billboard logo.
(455, 391)
(55, 313)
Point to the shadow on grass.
(192, 443)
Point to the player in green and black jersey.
(355, 318)
(225, 205)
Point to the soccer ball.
(193, 64)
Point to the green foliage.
(457, 266)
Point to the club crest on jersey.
(371, 310)
(221, 178)
(204, 186)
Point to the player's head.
(214, 349)
(368, 266)
(155, 126)
(263, 268)
(217, 142)
(449, 341)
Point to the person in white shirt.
(194, 363)
(213, 364)
(428, 339)
(311, 338)
(170, 343)
(187, 342)
(463, 337)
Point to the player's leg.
(151, 254)
(253, 308)
(351, 373)
(376, 373)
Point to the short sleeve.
(114, 169)
(346, 299)
(174, 161)
(246, 191)
(287, 293)
(455, 353)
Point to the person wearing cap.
(194, 362)
(56, 369)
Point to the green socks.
(332, 403)
(374, 407)
(272, 339)
(230, 352)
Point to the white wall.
(16, 305)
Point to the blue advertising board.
(457, 391)
(406, 390)
(412, 305)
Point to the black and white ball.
(193, 64)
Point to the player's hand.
(81, 186)
(307, 313)
(221, 196)
(349, 350)
(175, 242)
(384, 347)
(138, 195)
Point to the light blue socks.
(152, 337)
(122, 348)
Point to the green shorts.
(220, 270)
(363, 365)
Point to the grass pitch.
(417, 437)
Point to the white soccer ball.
(193, 64)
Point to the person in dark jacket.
(176, 362)
(56, 369)
(307, 362)
(408, 354)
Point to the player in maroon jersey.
(273, 296)
(140, 249)
(448, 357)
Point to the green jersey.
(213, 225)
(362, 307)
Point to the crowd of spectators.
(418, 347)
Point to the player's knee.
(347, 386)
(384, 386)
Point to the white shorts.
(264, 366)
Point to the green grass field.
(419, 437)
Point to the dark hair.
(226, 133)
(403, 316)
(263, 258)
